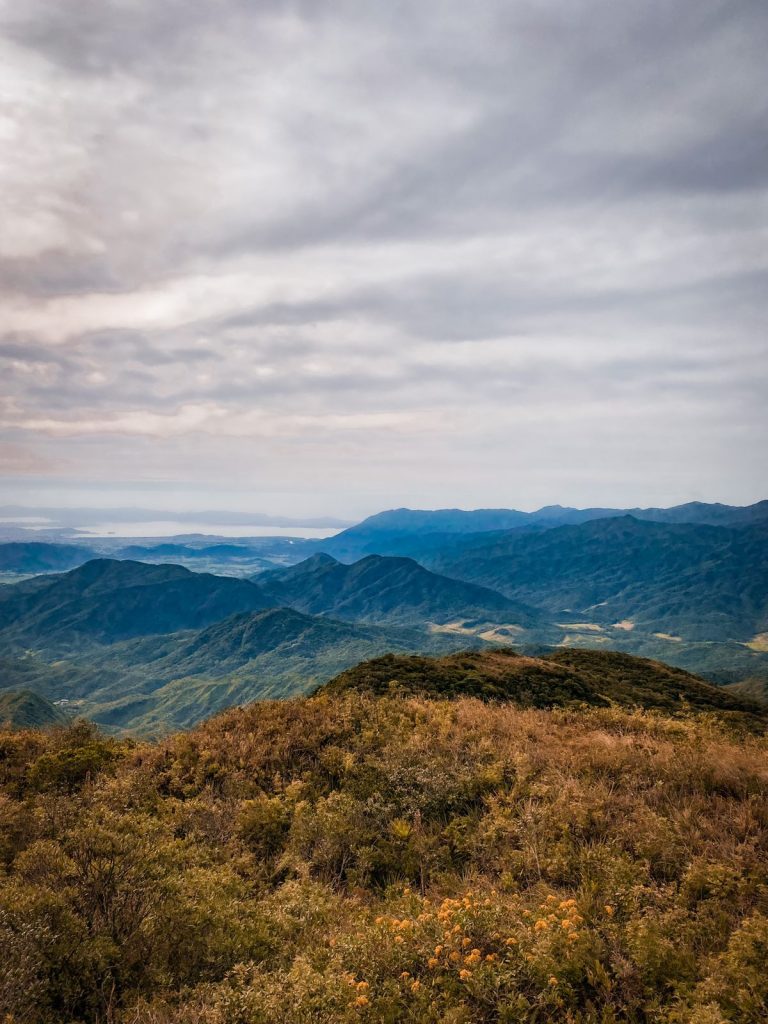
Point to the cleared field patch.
(501, 632)
(579, 639)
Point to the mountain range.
(146, 645)
(406, 531)
(697, 581)
(149, 646)
(106, 600)
(393, 590)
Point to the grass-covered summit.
(355, 859)
(560, 678)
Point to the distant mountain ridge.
(107, 600)
(150, 645)
(387, 589)
(406, 531)
(34, 557)
(399, 532)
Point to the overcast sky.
(330, 257)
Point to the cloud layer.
(329, 257)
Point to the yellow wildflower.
(541, 925)
(432, 962)
(553, 981)
(608, 910)
(416, 986)
(362, 986)
(404, 976)
(361, 1001)
(465, 974)
(438, 950)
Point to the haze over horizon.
(308, 259)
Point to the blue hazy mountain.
(411, 532)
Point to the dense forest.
(366, 856)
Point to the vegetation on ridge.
(559, 678)
(352, 857)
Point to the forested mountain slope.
(156, 683)
(107, 600)
(697, 582)
(381, 589)
(23, 709)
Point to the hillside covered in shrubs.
(359, 857)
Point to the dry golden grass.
(358, 858)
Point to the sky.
(324, 258)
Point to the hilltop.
(23, 709)
(352, 858)
(562, 678)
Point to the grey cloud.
(482, 223)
